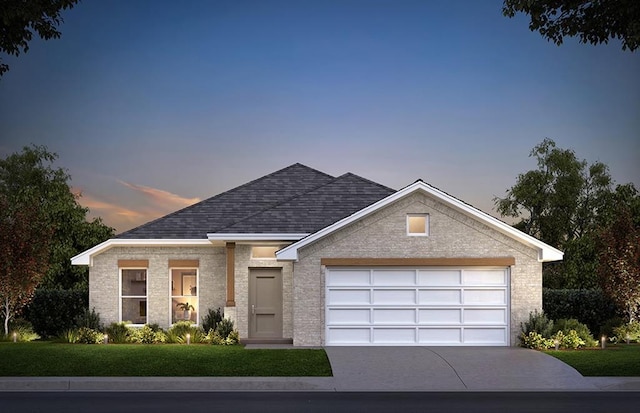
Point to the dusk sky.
(154, 105)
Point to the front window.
(184, 294)
(133, 295)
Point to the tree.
(563, 203)
(619, 262)
(20, 18)
(24, 253)
(594, 21)
(28, 178)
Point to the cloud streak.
(141, 206)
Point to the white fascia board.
(254, 237)
(545, 251)
(85, 258)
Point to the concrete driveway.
(450, 368)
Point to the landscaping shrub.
(178, 333)
(118, 333)
(224, 327)
(23, 330)
(535, 341)
(590, 307)
(566, 326)
(568, 340)
(52, 311)
(148, 334)
(631, 330)
(88, 336)
(68, 336)
(224, 334)
(607, 328)
(211, 319)
(89, 319)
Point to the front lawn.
(618, 360)
(55, 359)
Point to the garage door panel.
(351, 297)
(483, 277)
(440, 336)
(439, 297)
(394, 316)
(394, 336)
(349, 316)
(485, 297)
(485, 316)
(485, 335)
(438, 277)
(398, 297)
(440, 316)
(394, 277)
(349, 336)
(348, 277)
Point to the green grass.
(56, 359)
(619, 360)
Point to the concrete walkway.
(373, 369)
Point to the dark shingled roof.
(296, 199)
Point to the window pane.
(134, 282)
(417, 224)
(134, 310)
(184, 282)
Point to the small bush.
(223, 334)
(89, 319)
(224, 327)
(89, 336)
(537, 323)
(148, 334)
(581, 331)
(631, 330)
(178, 333)
(609, 325)
(23, 330)
(536, 341)
(70, 336)
(568, 340)
(118, 333)
(211, 319)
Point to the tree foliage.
(19, 19)
(28, 178)
(593, 21)
(24, 242)
(563, 203)
(619, 262)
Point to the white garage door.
(417, 306)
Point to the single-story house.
(304, 257)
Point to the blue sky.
(153, 105)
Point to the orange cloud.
(162, 197)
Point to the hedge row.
(53, 311)
(590, 307)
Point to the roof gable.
(545, 251)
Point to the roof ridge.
(297, 164)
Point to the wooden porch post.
(231, 274)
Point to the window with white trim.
(133, 295)
(418, 225)
(184, 295)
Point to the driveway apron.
(450, 368)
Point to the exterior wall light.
(188, 338)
